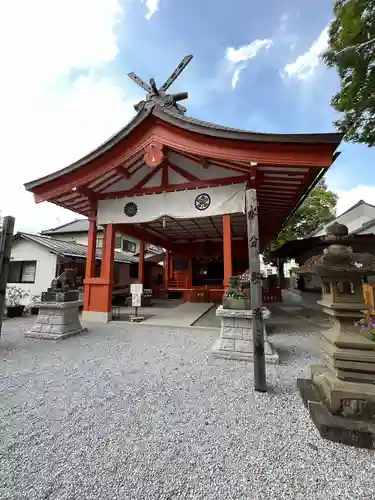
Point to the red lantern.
(154, 154)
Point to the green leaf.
(354, 25)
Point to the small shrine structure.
(180, 183)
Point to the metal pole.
(5, 249)
(260, 384)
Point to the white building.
(359, 219)
(355, 218)
(77, 232)
(35, 260)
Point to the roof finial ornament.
(159, 96)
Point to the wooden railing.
(209, 294)
(177, 284)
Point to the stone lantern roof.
(338, 259)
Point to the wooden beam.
(164, 177)
(124, 172)
(204, 163)
(143, 234)
(86, 192)
(175, 187)
(146, 178)
(254, 178)
(190, 177)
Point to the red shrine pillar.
(167, 264)
(108, 263)
(227, 249)
(98, 290)
(141, 264)
(91, 248)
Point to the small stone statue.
(58, 316)
(62, 289)
(64, 282)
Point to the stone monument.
(340, 395)
(236, 337)
(58, 316)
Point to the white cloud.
(235, 77)
(152, 7)
(238, 58)
(306, 64)
(247, 52)
(48, 118)
(349, 197)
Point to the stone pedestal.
(343, 412)
(57, 320)
(236, 339)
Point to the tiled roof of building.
(69, 249)
(365, 225)
(76, 226)
(356, 205)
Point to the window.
(118, 241)
(22, 271)
(99, 241)
(345, 288)
(129, 246)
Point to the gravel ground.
(137, 412)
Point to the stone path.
(185, 314)
(143, 412)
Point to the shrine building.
(180, 183)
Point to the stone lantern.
(340, 395)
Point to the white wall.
(45, 265)
(368, 230)
(82, 238)
(288, 266)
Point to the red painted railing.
(268, 295)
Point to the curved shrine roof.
(197, 154)
(192, 125)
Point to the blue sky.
(256, 66)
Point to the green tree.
(351, 52)
(317, 210)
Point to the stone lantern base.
(236, 338)
(343, 412)
(57, 320)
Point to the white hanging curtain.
(189, 204)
